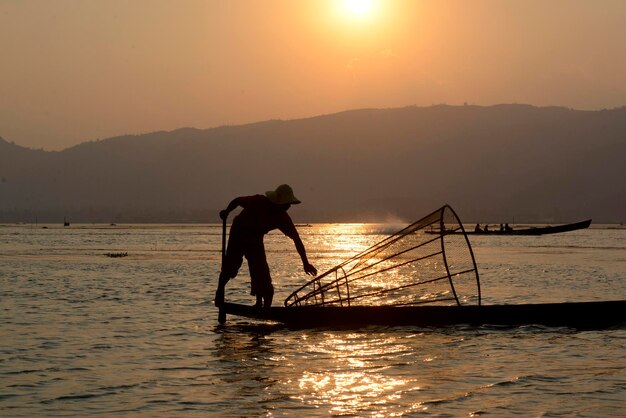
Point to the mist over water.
(119, 321)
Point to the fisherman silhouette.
(260, 215)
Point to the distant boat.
(65, 222)
(524, 231)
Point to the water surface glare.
(86, 333)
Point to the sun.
(358, 9)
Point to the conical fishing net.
(428, 262)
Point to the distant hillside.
(492, 164)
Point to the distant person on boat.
(507, 228)
(477, 228)
(260, 215)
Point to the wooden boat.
(578, 315)
(412, 278)
(525, 231)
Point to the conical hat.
(282, 195)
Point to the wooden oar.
(223, 241)
(221, 317)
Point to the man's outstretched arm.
(308, 268)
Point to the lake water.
(83, 333)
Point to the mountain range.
(504, 163)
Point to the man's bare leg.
(268, 297)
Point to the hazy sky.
(77, 70)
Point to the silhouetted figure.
(477, 228)
(507, 227)
(260, 215)
(486, 229)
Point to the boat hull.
(580, 315)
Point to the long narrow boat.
(420, 279)
(525, 231)
(578, 315)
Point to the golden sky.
(76, 70)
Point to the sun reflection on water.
(350, 392)
(354, 380)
